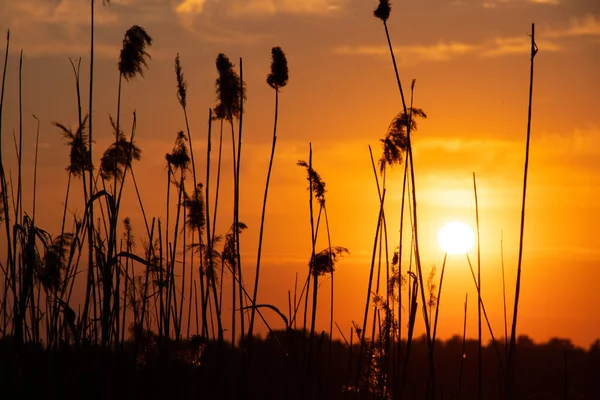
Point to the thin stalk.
(513, 332)
(19, 206)
(125, 294)
(504, 295)
(147, 279)
(176, 318)
(487, 320)
(262, 218)
(479, 349)
(161, 283)
(370, 285)
(208, 232)
(233, 301)
(10, 261)
(237, 211)
(168, 258)
(464, 344)
(192, 280)
(210, 240)
(183, 266)
(332, 271)
(218, 184)
(196, 304)
(311, 267)
(90, 221)
(437, 306)
(35, 163)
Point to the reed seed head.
(180, 157)
(196, 217)
(323, 263)
(279, 69)
(395, 142)
(317, 184)
(120, 154)
(133, 53)
(228, 89)
(181, 83)
(383, 10)
(78, 142)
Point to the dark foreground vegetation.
(194, 370)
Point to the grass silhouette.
(127, 339)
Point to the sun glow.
(456, 238)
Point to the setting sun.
(456, 238)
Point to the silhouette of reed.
(277, 79)
(511, 352)
(129, 331)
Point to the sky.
(471, 63)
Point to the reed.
(277, 79)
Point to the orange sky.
(471, 62)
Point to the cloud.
(515, 45)
(45, 49)
(272, 7)
(238, 8)
(215, 21)
(442, 51)
(495, 3)
(576, 150)
(66, 13)
(578, 27)
(412, 54)
(61, 27)
(191, 7)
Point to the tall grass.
(144, 289)
(513, 331)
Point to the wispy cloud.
(413, 54)
(495, 3)
(259, 7)
(578, 27)
(214, 21)
(190, 7)
(61, 27)
(66, 13)
(515, 45)
(271, 7)
(416, 54)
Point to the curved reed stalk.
(276, 79)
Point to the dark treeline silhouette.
(201, 370)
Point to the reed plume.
(383, 10)
(323, 263)
(133, 53)
(179, 158)
(79, 149)
(395, 142)
(196, 217)
(279, 69)
(229, 89)
(119, 155)
(181, 84)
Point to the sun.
(456, 238)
